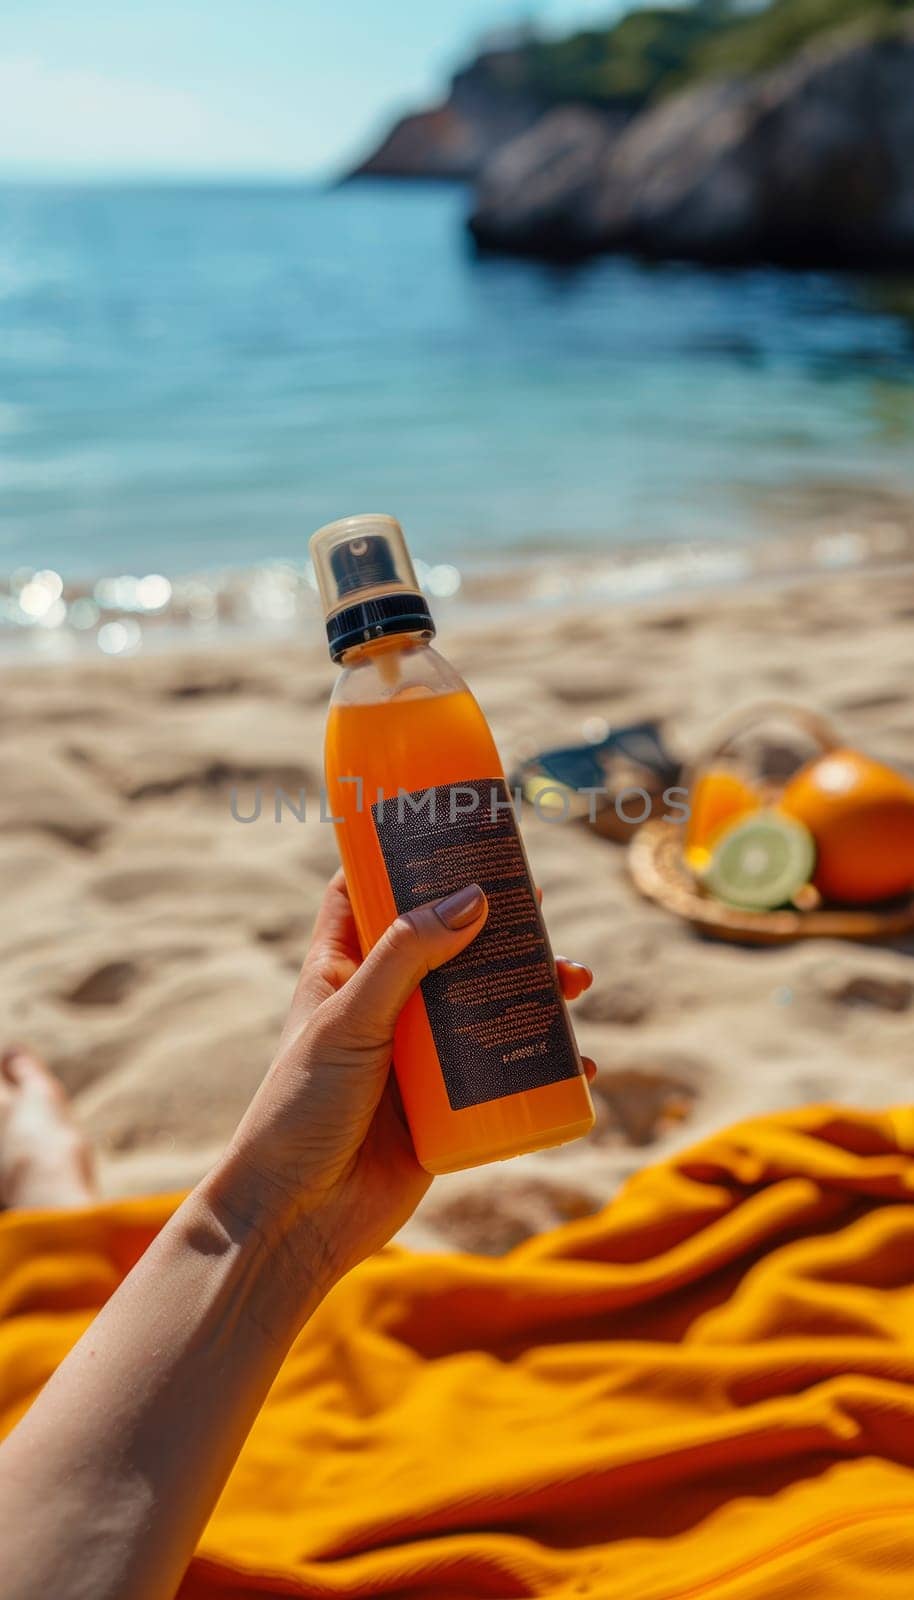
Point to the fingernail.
(462, 908)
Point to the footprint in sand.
(106, 985)
(871, 702)
(646, 1099)
(208, 687)
(669, 622)
(491, 1217)
(283, 929)
(221, 776)
(875, 991)
(624, 1003)
(582, 686)
(122, 886)
(83, 836)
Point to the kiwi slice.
(761, 862)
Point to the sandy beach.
(150, 941)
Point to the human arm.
(109, 1479)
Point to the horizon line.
(58, 175)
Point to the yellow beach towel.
(705, 1392)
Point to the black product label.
(495, 1012)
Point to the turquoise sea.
(196, 377)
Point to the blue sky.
(229, 86)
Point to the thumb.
(411, 947)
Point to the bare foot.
(44, 1158)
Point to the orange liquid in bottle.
(417, 736)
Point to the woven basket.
(660, 873)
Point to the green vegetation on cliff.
(774, 33)
(660, 48)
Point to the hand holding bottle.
(323, 1163)
(486, 1062)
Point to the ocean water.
(196, 377)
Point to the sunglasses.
(586, 766)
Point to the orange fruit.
(719, 797)
(861, 815)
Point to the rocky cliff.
(810, 163)
(711, 131)
(489, 103)
(618, 70)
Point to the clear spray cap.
(366, 581)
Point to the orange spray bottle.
(484, 1054)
